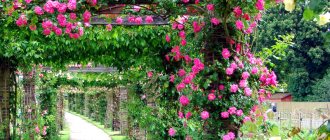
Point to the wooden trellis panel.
(123, 111)
(4, 101)
(109, 112)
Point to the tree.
(308, 57)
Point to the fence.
(305, 115)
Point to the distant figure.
(274, 107)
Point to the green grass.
(65, 133)
(115, 135)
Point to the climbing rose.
(242, 83)
(247, 91)
(233, 88)
(149, 74)
(180, 114)
(239, 25)
(239, 113)
(205, 115)
(189, 78)
(87, 15)
(181, 72)
(246, 16)
(231, 135)
(180, 86)
(109, 27)
(33, 27)
(138, 20)
(260, 5)
(233, 65)
(182, 34)
(119, 20)
(47, 31)
(196, 26)
(38, 10)
(167, 38)
(62, 8)
(232, 110)
(226, 137)
(246, 119)
(184, 100)
(149, 19)
(28, 1)
(224, 115)
(211, 96)
(225, 53)
(221, 87)
(44, 132)
(187, 58)
(48, 7)
(245, 75)
(180, 26)
(73, 16)
(58, 31)
(171, 132)
(37, 129)
(172, 78)
(188, 115)
(185, 1)
(72, 5)
(254, 70)
(210, 7)
(21, 21)
(183, 42)
(136, 8)
(215, 21)
(229, 71)
(61, 19)
(237, 11)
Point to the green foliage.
(320, 89)
(307, 59)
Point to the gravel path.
(83, 130)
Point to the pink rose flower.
(233, 88)
(138, 20)
(246, 16)
(183, 42)
(180, 26)
(189, 78)
(254, 70)
(21, 21)
(172, 78)
(246, 119)
(73, 16)
(62, 8)
(181, 72)
(242, 83)
(247, 91)
(182, 34)
(188, 115)
(47, 32)
(171, 132)
(187, 58)
(237, 11)
(231, 135)
(239, 25)
(210, 7)
(180, 114)
(197, 28)
(226, 137)
(260, 5)
(119, 20)
(224, 115)
(38, 10)
(225, 53)
(37, 129)
(239, 113)
(185, 1)
(221, 87)
(149, 19)
(184, 100)
(205, 115)
(215, 21)
(87, 16)
(33, 27)
(167, 38)
(245, 75)
(211, 96)
(232, 110)
(229, 71)
(149, 74)
(108, 27)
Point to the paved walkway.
(82, 130)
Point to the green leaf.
(308, 14)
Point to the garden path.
(83, 130)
